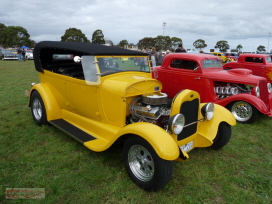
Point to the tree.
(14, 36)
(98, 37)
(239, 48)
(199, 44)
(74, 35)
(32, 43)
(222, 45)
(261, 48)
(162, 42)
(146, 43)
(2, 27)
(122, 43)
(175, 42)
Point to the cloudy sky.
(245, 22)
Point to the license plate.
(187, 147)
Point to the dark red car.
(260, 64)
(244, 94)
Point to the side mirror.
(77, 59)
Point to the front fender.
(253, 100)
(208, 128)
(159, 139)
(52, 108)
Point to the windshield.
(211, 63)
(110, 65)
(268, 59)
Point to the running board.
(72, 130)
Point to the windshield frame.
(95, 67)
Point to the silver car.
(7, 54)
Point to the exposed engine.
(223, 89)
(152, 108)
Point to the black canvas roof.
(44, 50)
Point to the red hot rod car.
(260, 64)
(244, 94)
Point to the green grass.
(44, 157)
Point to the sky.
(245, 22)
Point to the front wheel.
(223, 136)
(243, 112)
(37, 109)
(144, 166)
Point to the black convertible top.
(44, 50)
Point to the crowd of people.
(156, 58)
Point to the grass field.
(45, 157)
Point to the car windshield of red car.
(211, 63)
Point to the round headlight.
(257, 91)
(208, 111)
(269, 87)
(176, 123)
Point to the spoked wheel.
(144, 166)
(38, 109)
(243, 112)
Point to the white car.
(29, 54)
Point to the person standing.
(19, 51)
(180, 48)
(23, 54)
(160, 58)
(154, 57)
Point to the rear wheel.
(37, 109)
(243, 112)
(144, 166)
(223, 136)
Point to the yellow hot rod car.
(99, 94)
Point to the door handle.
(197, 78)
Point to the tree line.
(17, 36)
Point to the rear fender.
(52, 108)
(163, 143)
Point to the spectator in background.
(23, 54)
(180, 48)
(154, 57)
(19, 51)
(160, 57)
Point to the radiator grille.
(190, 110)
(264, 92)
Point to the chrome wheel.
(37, 109)
(141, 163)
(144, 166)
(242, 111)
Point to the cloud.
(243, 22)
